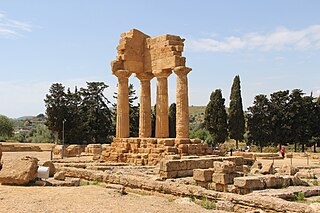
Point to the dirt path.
(90, 198)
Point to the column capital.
(182, 70)
(122, 73)
(162, 73)
(144, 76)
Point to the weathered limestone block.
(224, 167)
(288, 170)
(237, 160)
(179, 141)
(222, 178)
(246, 169)
(256, 165)
(218, 187)
(273, 181)
(52, 168)
(172, 157)
(92, 149)
(248, 161)
(204, 175)
(20, 171)
(73, 150)
(117, 187)
(59, 175)
(171, 149)
(296, 181)
(307, 174)
(267, 169)
(248, 155)
(225, 206)
(250, 182)
(166, 141)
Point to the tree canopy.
(216, 117)
(86, 115)
(236, 121)
(6, 126)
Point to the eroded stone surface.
(20, 171)
(52, 168)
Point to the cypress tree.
(259, 122)
(236, 116)
(55, 103)
(172, 120)
(216, 117)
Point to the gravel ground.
(90, 198)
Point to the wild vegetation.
(87, 116)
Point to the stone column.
(122, 128)
(145, 105)
(162, 119)
(182, 107)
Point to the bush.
(270, 149)
(299, 197)
(205, 203)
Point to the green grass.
(86, 183)
(205, 203)
(299, 197)
(171, 199)
(193, 198)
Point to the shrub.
(205, 203)
(299, 197)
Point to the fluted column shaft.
(145, 105)
(122, 126)
(162, 111)
(182, 105)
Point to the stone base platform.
(150, 151)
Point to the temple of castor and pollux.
(147, 58)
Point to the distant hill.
(25, 118)
(197, 110)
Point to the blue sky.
(272, 45)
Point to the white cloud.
(10, 28)
(280, 39)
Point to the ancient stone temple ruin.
(147, 58)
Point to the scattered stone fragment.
(267, 169)
(20, 171)
(250, 182)
(184, 201)
(288, 170)
(307, 174)
(117, 187)
(59, 175)
(204, 175)
(52, 168)
(257, 165)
